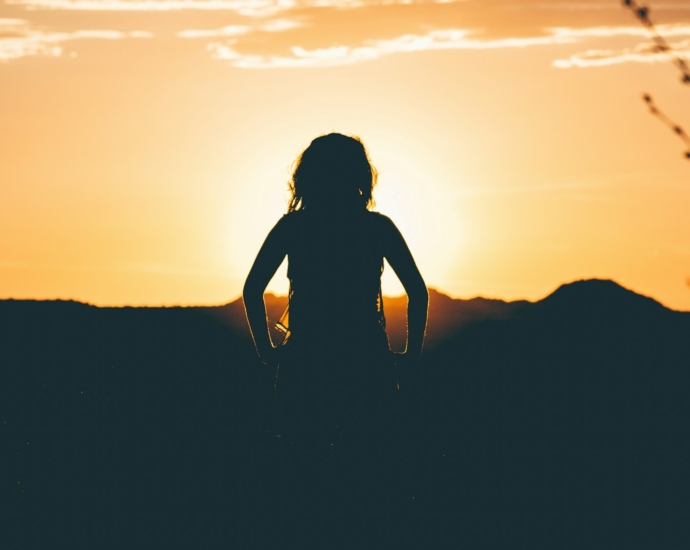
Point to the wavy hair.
(333, 172)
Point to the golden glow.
(142, 164)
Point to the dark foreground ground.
(559, 424)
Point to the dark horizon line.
(386, 296)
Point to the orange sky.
(146, 144)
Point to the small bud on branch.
(661, 116)
(642, 13)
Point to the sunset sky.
(146, 144)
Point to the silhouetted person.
(336, 374)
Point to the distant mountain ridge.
(447, 316)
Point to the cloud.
(646, 52)
(232, 30)
(383, 27)
(274, 25)
(441, 39)
(280, 25)
(268, 6)
(18, 39)
(140, 34)
(600, 6)
(609, 32)
(10, 23)
(132, 268)
(604, 58)
(259, 8)
(576, 6)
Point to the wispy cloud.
(248, 6)
(140, 34)
(126, 268)
(274, 25)
(18, 39)
(681, 5)
(280, 25)
(647, 52)
(609, 32)
(576, 6)
(232, 30)
(442, 39)
(439, 39)
(259, 8)
(322, 40)
(8, 24)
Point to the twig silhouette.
(661, 116)
(642, 13)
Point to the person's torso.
(334, 266)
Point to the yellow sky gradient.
(146, 145)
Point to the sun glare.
(420, 203)
(417, 199)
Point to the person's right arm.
(268, 260)
(400, 259)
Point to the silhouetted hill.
(600, 297)
(449, 316)
(562, 423)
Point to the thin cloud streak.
(18, 40)
(442, 39)
(125, 268)
(275, 25)
(643, 53)
(646, 52)
(240, 6)
(598, 6)
(445, 39)
(6, 23)
(575, 6)
(608, 32)
(232, 30)
(280, 25)
(258, 8)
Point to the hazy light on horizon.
(146, 155)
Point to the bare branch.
(666, 120)
(642, 13)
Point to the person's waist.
(334, 303)
(318, 317)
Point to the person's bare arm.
(265, 265)
(400, 259)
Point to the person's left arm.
(267, 262)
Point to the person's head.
(334, 172)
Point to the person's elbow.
(252, 291)
(418, 293)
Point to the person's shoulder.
(381, 221)
(290, 219)
(378, 217)
(284, 227)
